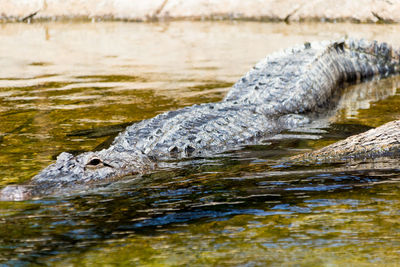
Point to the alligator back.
(275, 95)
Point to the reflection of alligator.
(281, 92)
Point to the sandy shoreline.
(363, 11)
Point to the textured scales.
(265, 101)
(277, 94)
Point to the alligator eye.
(94, 162)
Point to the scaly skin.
(281, 92)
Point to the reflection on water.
(72, 87)
(360, 97)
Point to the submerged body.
(283, 91)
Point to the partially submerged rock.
(383, 141)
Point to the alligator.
(285, 90)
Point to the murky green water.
(71, 87)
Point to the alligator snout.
(15, 193)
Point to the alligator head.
(71, 171)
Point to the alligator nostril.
(94, 162)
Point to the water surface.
(72, 87)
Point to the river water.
(74, 86)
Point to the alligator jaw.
(73, 171)
(15, 193)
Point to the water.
(72, 87)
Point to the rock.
(266, 10)
(375, 143)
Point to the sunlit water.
(72, 87)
